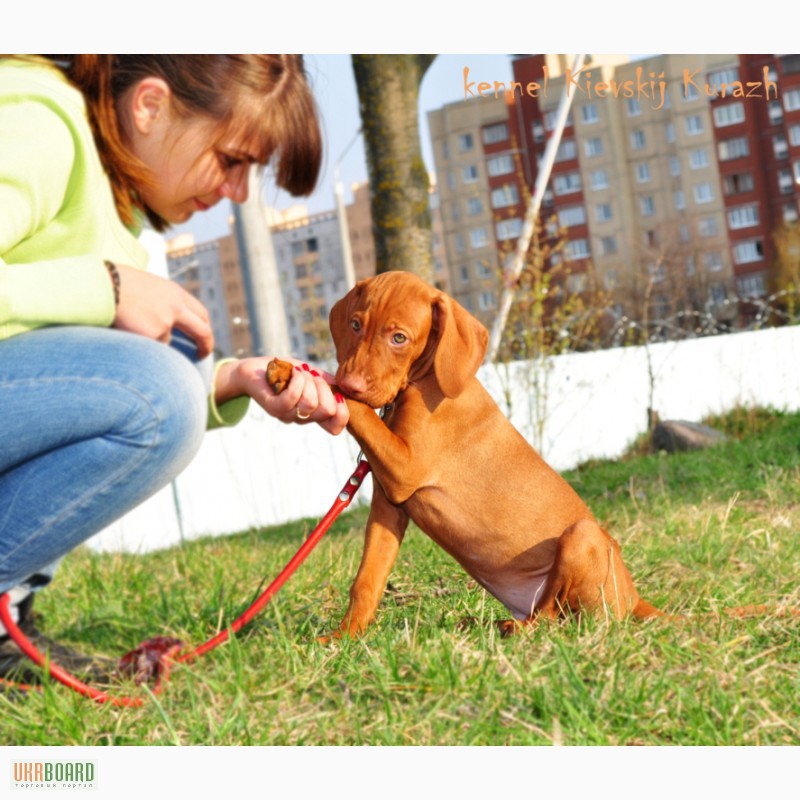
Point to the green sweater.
(58, 220)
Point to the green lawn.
(700, 532)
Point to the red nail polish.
(339, 398)
(298, 369)
(306, 368)
(315, 373)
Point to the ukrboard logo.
(52, 775)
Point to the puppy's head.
(395, 329)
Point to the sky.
(335, 90)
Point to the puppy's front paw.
(510, 627)
(279, 373)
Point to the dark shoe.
(16, 667)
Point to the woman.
(98, 413)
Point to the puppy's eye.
(355, 324)
(399, 338)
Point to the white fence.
(579, 406)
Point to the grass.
(701, 531)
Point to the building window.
(464, 273)
(576, 249)
(567, 150)
(550, 118)
(698, 158)
(680, 199)
(733, 148)
(594, 147)
(743, 217)
(537, 129)
(647, 206)
(752, 286)
(713, 261)
(486, 301)
(643, 172)
(674, 166)
(608, 245)
(576, 283)
(572, 215)
(775, 111)
(717, 294)
(451, 181)
(703, 193)
(637, 140)
(469, 174)
(780, 146)
(492, 134)
(603, 212)
(459, 241)
(477, 237)
(796, 167)
(505, 196)
(445, 150)
(737, 183)
(707, 227)
(567, 184)
(794, 135)
(483, 269)
(589, 113)
(785, 181)
(791, 100)
(474, 206)
(669, 132)
(684, 234)
(599, 179)
(611, 280)
(465, 142)
(729, 114)
(790, 212)
(748, 252)
(507, 229)
(500, 165)
(723, 78)
(693, 124)
(692, 92)
(633, 107)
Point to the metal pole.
(511, 275)
(341, 213)
(262, 286)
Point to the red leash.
(152, 659)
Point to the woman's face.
(192, 165)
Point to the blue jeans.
(93, 421)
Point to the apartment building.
(197, 269)
(758, 150)
(480, 196)
(310, 261)
(635, 187)
(667, 184)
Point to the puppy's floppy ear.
(339, 319)
(460, 348)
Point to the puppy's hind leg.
(588, 575)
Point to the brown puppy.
(446, 457)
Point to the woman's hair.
(265, 97)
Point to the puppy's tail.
(643, 610)
(746, 612)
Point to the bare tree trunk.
(388, 93)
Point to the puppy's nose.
(351, 384)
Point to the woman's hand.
(152, 306)
(307, 398)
